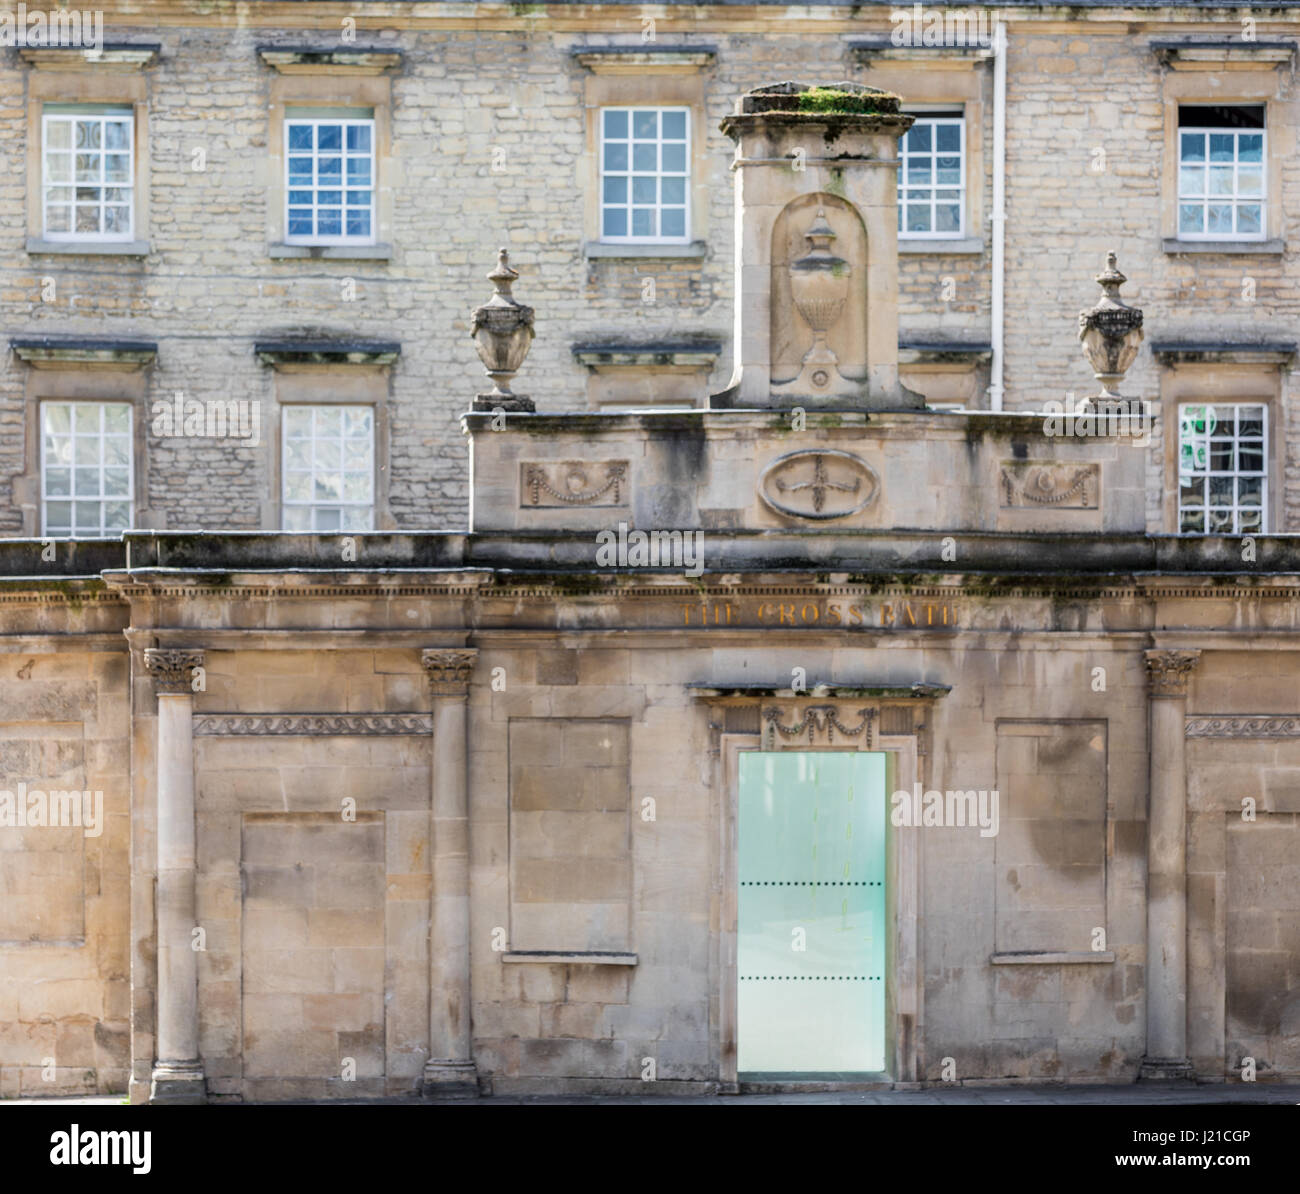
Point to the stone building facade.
(488, 792)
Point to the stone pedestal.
(449, 1071)
(819, 164)
(1166, 980)
(178, 1072)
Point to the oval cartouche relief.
(818, 485)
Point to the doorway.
(811, 905)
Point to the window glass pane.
(674, 126)
(645, 156)
(672, 221)
(615, 123)
(674, 158)
(645, 124)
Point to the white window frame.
(945, 117)
(104, 114)
(659, 174)
(72, 496)
(1235, 472)
(1235, 201)
(344, 154)
(312, 504)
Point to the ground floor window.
(1222, 474)
(86, 477)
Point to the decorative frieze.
(449, 669)
(1252, 725)
(172, 670)
(573, 483)
(1169, 671)
(311, 725)
(1065, 486)
(818, 721)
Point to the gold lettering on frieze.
(833, 614)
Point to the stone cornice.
(333, 60)
(54, 352)
(648, 58)
(115, 57)
(315, 351)
(1221, 53)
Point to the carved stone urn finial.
(1111, 332)
(502, 330)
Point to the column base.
(177, 1082)
(449, 1080)
(1166, 1069)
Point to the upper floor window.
(644, 174)
(87, 172)
(86, 477)
(1222, 475)
(931, 177)
(328, 457)
(1221, 172)
(330, 185)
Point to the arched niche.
(791, 334)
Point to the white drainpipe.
(999, 216)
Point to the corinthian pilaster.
(178, 1072)
(449, 1072)
(1168, 673)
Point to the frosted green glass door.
(811, 942)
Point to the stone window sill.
(92, 248)
(1051, 958)
(596, 248)
(580, 957)
(1263, 247)
(966, 244)
(332, 252)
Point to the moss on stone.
(833, 101)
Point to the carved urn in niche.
(819, 287)
(503, 333)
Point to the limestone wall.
(1085, 174)
(65, 883)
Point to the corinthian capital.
(449, 669)
(172, 671)
(1168, 671)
